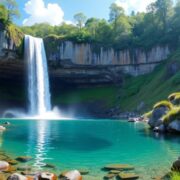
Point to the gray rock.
(17, 176)
(161, 128)
(155, 120)
(174, 126)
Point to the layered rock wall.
(135, 61)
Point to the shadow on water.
(82, 142)
(173, 138)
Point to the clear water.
(91, 144)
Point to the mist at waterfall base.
(39, 97)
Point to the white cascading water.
(39, 97)
(38, 79)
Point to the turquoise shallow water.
(91, 144)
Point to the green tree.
(80, 19)
(3, 14)
(92, 25)
(115, 12)
(12, 9)
(163, 10)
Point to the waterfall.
(38, 79)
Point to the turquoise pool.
(91, 144)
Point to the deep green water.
(91, 144)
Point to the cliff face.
(7, 47)
(134, 62)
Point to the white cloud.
(39, 13)
(134, 5)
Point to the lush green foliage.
(9, 10)
(161, 24)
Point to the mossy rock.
(119, 167)
(128, 176)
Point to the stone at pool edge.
(176, 166)
(128, 176)
(17, 176)
(123, 167)
(24, 158)
(71, 175)
(4, 165)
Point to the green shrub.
(163, 104)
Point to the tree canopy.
(160, 24)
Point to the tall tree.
(3, 14)
(92, 25)
(12, 8)
(115, 12)
(80, 19)
(163, 10)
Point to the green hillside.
(148, 89)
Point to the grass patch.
(107, 94)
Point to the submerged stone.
(50, 166)
(109, 176)
(128, 176)
(83, 172)
(24, 168)
(12, 161)
(114, 171)
(119, 167)
(24, 158)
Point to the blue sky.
(58, 11)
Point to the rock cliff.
(135, 61)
